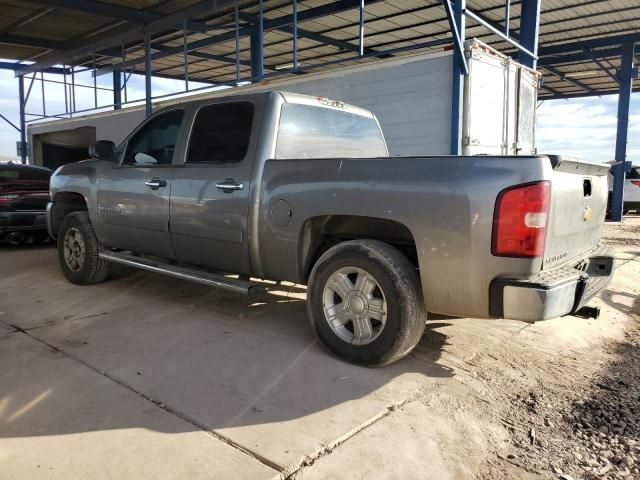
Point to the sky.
(585, 128)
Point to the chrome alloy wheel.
(354, 305)
(74, 249)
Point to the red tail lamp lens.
(520, 221)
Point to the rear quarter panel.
(447, 203)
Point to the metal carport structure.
(583, 48)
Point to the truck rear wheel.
(78, 249)
(365, 303)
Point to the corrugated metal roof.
(41, 29)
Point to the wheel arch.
(320, 233)
(64, 203)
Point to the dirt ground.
(145, 376)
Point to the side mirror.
(102, 150)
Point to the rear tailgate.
(578, 206)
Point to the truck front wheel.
(365, 303)
(78, 250)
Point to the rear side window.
(221, 133)
(634, 174)
(155, 142)
(308, 131)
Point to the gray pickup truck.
(289, 187)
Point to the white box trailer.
(411, 96)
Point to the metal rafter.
(132, 15)
(162, 23)
(316, 37)
(564, 77)
(269, 24)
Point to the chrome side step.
(212, 279)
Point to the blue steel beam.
(35, 42)
(579, 57)
(578, 46)
(316, 37)
(257, 47)
(457, 33)
(602, 66)
(117, 90)
(496, 31)
(23, 127)
(622, 131)
(459, 70)
(17, 66)
(573, 81)
(147, 75)
(529, 27)
(10, 122)
(294, 15)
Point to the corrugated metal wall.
(412, 101)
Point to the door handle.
(230, 184)
(155, 183)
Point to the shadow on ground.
(219, 361)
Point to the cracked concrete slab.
(60, 419)
(250, 371)
(410, 442)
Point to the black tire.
(92, 269)
(399, 283)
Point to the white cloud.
(586, 127)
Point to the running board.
(212, 279)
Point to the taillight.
(8, 197)
(636, 182)
(520, 220)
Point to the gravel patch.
(591, 432)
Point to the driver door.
(133, 197)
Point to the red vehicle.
(24, 193)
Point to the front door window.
(155, 142)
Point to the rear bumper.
(552, 293)
(22, 221)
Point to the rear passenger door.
(211, 188)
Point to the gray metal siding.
(412, 101)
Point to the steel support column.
(624, 98)
(147, 74)
(529, 27)
(457, 93)
(257, 47)
(23, 127)
(117, 90)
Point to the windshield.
(308, 131)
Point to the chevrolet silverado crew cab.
(289, 187)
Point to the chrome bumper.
(552, 293)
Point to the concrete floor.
(146, 376)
